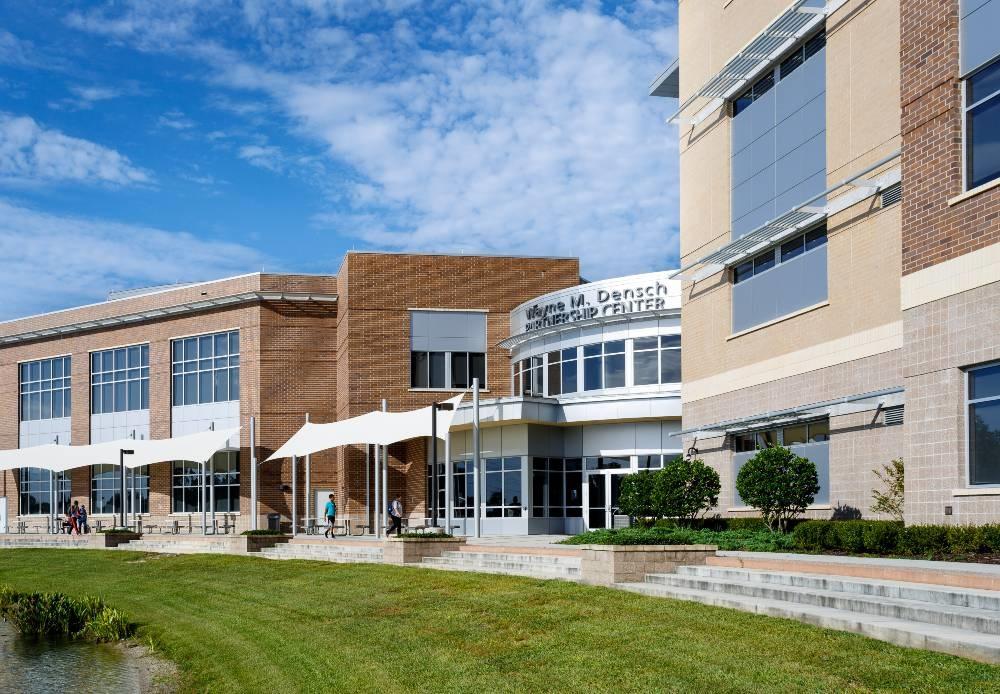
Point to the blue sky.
(143, 143)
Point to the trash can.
(274, 521)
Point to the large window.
(790, 64)
(502, 487)
(45, 389)
(206, 368)
(816, 431)
(119, 379)
(464, 499)
(604, 365)
(447, 349)
(656, 360)
(187, 484)
(441, 488)
(780, 254)
(982, 125)
(36, 491)
(562, 371)
(984, 425)
(447, 369)
(556, 488)
(105, 489)
(528, 377)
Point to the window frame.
(776, 254)
(206, 471)
(776, 73)
(25, 387)
(199, 372)
(449, 381)
(969, 402)
(967, 108)
(141, 481)
(143, 377)
(64, 491)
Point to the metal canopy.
(177, 309)
(863, 402)
(667, 83)
(800, 217)
(763, 51)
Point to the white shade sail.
(377, 428)
(196, 448)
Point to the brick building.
(175, 360)
(839, 229)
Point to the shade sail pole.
(368, 487)
(308, 482)
(476, 473)
(211, 490)
(204, 499)
(376, 519)
(449, 485)
(295, 485)
(385, 472)
(253, 474)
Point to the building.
(175, 360)
(839, 229)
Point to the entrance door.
(3, 515)
(322, 496)
(603, 489)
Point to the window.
(787, 251)
(442, 487)
(656, 360)
(464, 499)
(206, 368)
(447, 369)
(528, 376)
(36, 491)
(984, 425)
(562, 371)
(650, 462)
(607, 463)
(119, 379)
(982, 125)
(225, 467)
(45, 389)
(604, 365)
(792, 435)
(548, 487)
(790, 64)
(502, 487)
(448, 349)
(105, 489)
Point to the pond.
(30, 666)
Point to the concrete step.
(534, 565)
(337, 553)
(47, 543)
(509, 556)
(179, 547)
(925, 592)
(967, 644)
(968, 619)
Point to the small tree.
(779, 484)
(637, 496)
(889, 499)
(687, 488)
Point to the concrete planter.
(608, 564)
(113, 539)
(255, 543)
(412, 550)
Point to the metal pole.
(121, 462)
(434, 465)
(476, 473)
(204, 500)
(295, 488)
(53, 520)
(368, 487)
(378, 491)
(449, 484)
(254, 521)
(308, 482)
(211, 490)
(131, 476)
(385, 471)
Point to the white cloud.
(31, 154)
(502, 127)
(265, 156)
(74, 260)
(175, 120)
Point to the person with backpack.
(395, 516)
(331, 517)
(81, 521)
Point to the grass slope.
(248, 624)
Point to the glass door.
(597, 504)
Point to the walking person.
(331, 517)
(395, 516)
(81, 520)
(75, 515)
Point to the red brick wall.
(931, 92)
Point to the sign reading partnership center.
(621, 296)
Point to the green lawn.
(247, 624)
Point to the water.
(29, 666)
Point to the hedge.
(736, 540)
(891, 537)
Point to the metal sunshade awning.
(798, 19)
(667, 83)
(799, 218)
(863, 402)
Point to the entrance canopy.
(378, 428)
(198, 448)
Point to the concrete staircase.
(340, 554)
(959, 621)
(199, 545)
(533, 565)
(47, 541)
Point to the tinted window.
(763, 262)
(792, 248)
(983, 142)
(743, 271)
(984, 383)
(984, 83)
(984, 443)
(815, 238)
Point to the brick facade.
(332, 360)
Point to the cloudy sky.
(151, 142)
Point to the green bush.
(778, 483)
(881, 537)
(991, 537)
(56, 614)
(746, 524)
(923, 540)
(637, 497)
(734, 540)
(871, 537)
(966, 539)
(262, 533)
(107, 626)
(850, 536)
(686, 488)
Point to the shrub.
(56, 614)
(778, 483)
(810, 536)
(889, 499)
(108, 625)
(637, 497)
(966, 539)
(922, 540)
(746, 524)
(881, 537)
(849, 535)
(686, 488)
(991, 537)
(262, 533)
(872, 537)
(734, 540)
